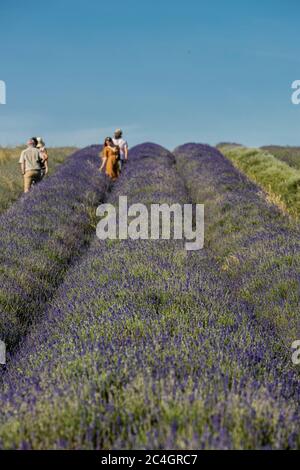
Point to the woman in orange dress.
(110, 156)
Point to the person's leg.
(28, 178)
(37, 177)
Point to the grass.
(289, 155)
(11, 181)
(280, 181)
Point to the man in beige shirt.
(30, 162)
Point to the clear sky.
(168, 71)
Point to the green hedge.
(278, 179)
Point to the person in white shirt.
(123, 146)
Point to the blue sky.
(167, 71)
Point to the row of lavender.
(255, 246)
(144, 346)
(40, 234)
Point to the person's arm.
(22, 163)
(126, 151)
(103, 163)
(104, 158)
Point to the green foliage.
(289, 155)
(280, 181)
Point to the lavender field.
(40, 235)
(140, 344)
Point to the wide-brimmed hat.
(40, 142)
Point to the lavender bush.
(146, 345)
(254, 244)
(40, 234)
